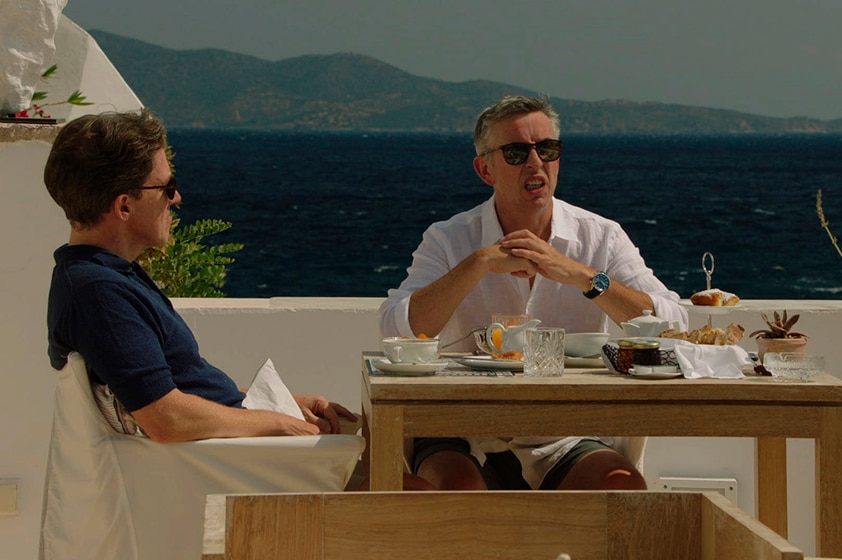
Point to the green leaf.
(39, 95)
(49, 71)
(76, 98)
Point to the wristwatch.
(599, 283)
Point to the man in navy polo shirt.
(111, 176)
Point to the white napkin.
(707, 360)
(268, 392)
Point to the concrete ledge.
(14, 132)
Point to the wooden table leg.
(829, 484)
(771, 483)
(386, 447)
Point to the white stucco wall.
(31, 227)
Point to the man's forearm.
(432, 306)
(622, 303)
(178, 416)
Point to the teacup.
(405, 350)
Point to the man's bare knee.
(603, 470)
(450, 470)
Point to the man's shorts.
(502, 471)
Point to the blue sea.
(339, 214)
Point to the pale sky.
(778, 58)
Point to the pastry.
(732, 334)
(714, 297)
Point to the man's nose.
(532, 159)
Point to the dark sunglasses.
(169, 188)
(518, 152)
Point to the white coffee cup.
(401, 350)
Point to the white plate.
(712, 309)
(407, 369)
(658, 375)
(483, 362)
(570, 361)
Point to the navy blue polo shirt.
(111, 312)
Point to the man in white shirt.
(524, 251)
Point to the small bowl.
(788, 367)
(584, 345)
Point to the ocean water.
(339, 214)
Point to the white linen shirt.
(581, 235)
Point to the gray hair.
(505, 108)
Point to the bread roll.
(714, 297)
(708, 335)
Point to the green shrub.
(185, 267)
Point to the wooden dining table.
(595, 401)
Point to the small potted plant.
(779, 337)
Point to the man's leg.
(447, 464)
(451, 470)
(592, 465)
(603, 470)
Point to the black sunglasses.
(518, 152)
(169, 189)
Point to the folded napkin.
(707, 360)
(268, 392)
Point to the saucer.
(386, 366)
(589, 362)
(655, 375)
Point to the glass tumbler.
(543, 352)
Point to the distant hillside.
(219, 89)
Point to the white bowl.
(584, 345)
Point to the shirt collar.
(560, 227)
(67, 253)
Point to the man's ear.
(483, 170)
(121, 207)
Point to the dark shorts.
(502, 471)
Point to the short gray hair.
(505, 108)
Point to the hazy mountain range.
(213, 88)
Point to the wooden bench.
(516, 525)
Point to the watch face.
(601, 282)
